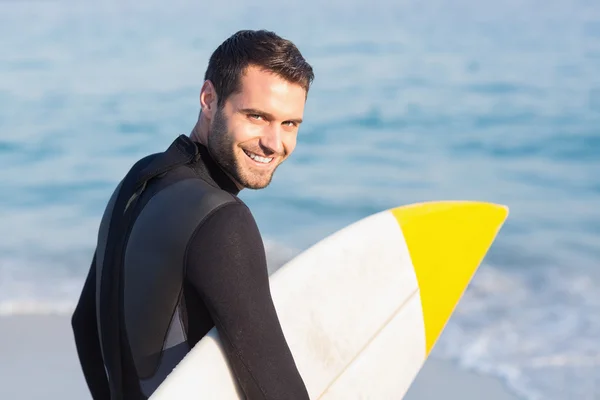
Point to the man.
(178, 252)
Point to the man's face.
(256, 129)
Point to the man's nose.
(271, 140)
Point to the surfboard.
(362, 309)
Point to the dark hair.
(260, 48)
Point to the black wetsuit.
(179, 257)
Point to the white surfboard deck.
(362, 309)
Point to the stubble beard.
(222, 148)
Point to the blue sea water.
(413, 101)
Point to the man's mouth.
(257, 158)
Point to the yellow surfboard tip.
(447, 241)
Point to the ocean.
(413, 101)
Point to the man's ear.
(208, 99)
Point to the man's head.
(252, 100)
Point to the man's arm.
(227, 266)
(87, 342)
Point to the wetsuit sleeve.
(227, 266)
(87, 342)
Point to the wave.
(535, 329)
(45, 285)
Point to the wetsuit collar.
(212, 171)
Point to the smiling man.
(250, 123)
(178, 252)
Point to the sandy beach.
(39, 362)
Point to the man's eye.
(255, 116)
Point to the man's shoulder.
(230, 225)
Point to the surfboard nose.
(447, 242)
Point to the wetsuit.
(177, 254)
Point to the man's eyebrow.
(266, 114)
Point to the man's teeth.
(263, 160)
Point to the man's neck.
(200, 134)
